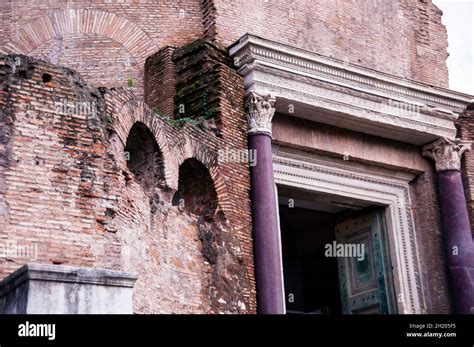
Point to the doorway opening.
(335, 255)
(311, 279)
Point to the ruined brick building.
(123, 179)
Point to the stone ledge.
(60, 273)
(54, 289)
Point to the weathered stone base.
(53, 289)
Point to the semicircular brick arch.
(194, 149)
(175, 146)
(132, 111)
(67, 22)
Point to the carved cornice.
(405, 110)
(360, 109)
(260, 113)
(250, 48)
(447, 153)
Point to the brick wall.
(49, 164)
(160, 81)
(430, 243)
(403, 37)
(68, 188)
(106, 41)
(212, 91)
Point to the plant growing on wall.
(179, 122)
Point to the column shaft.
(268, 271)
(265, 225)
(447, 155)
(457, 230)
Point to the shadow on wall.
(144, 158)
(196, 193)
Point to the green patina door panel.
(366, 282)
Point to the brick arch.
(197, 188)
(125, 109)
(133, 111)
(83, 21)
(194, 149)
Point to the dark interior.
(311, 279)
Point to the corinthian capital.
(260, 112)
(446, 153)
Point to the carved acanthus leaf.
(260, 112)
(447, 153)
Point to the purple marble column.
(457, 230)
(268, 272)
